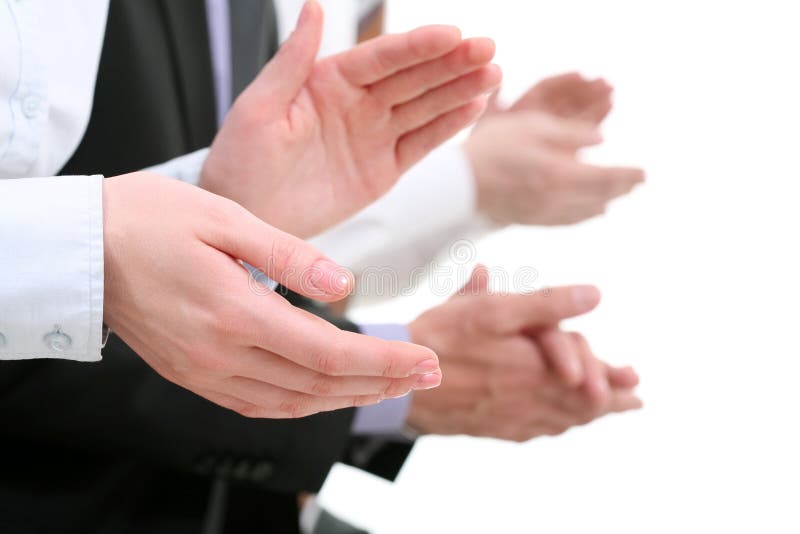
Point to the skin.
(526, 159)
(196, 317)
(337, 133)
(332, 135)
(511, 373)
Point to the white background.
(699, 270)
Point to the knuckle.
(419, 47)
(251, 411)
(322, 386)
(229, 324)
(395, 388)
(284, 253)
(221, 212)
(392, 364)
(293, 407)
(212, 362)
(330, 360)
(364, 400)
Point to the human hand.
(568, 96)
(510, 372)
(525, 159)
(177, 294)
(311, 142)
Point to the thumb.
(285, 258)
(478, 282)
(284, 76)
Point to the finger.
(589, 97)
(516, 356)
(624, 401)
(538, 95)
(283, 257)
(478, 282)
(284, 76)
(226, 401)
(563, 133)
(541, 309)
(595, 379)
(596, 113)
(418, 112)
(383, 56)
(415, 81)
(415, 145)
(622, 377)
(609, 182)
(562, 354)
(597, 103)
(272, 402)
(265, 366)
(316, 344)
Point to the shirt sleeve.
(388, 418)
(51, 268)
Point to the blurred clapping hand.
(509, 371)
(525, 158)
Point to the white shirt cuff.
(51, 268)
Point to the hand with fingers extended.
(176, 292)
(510, 373)
(326, 138)
(525, 159)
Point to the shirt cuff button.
(57, 340)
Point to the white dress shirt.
(51, 240)
(51, 237)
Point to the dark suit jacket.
(113, 447)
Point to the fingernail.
(330, 278)
(585, 297)
(429, 381)
(426, 367)
(342, 283)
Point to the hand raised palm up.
(325, 138)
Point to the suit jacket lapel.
(189, 46)
(254, 39)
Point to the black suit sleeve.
(121, 406)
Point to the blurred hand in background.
(526, 158)
(509, 371)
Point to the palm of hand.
(338, 142)
(334, 135)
